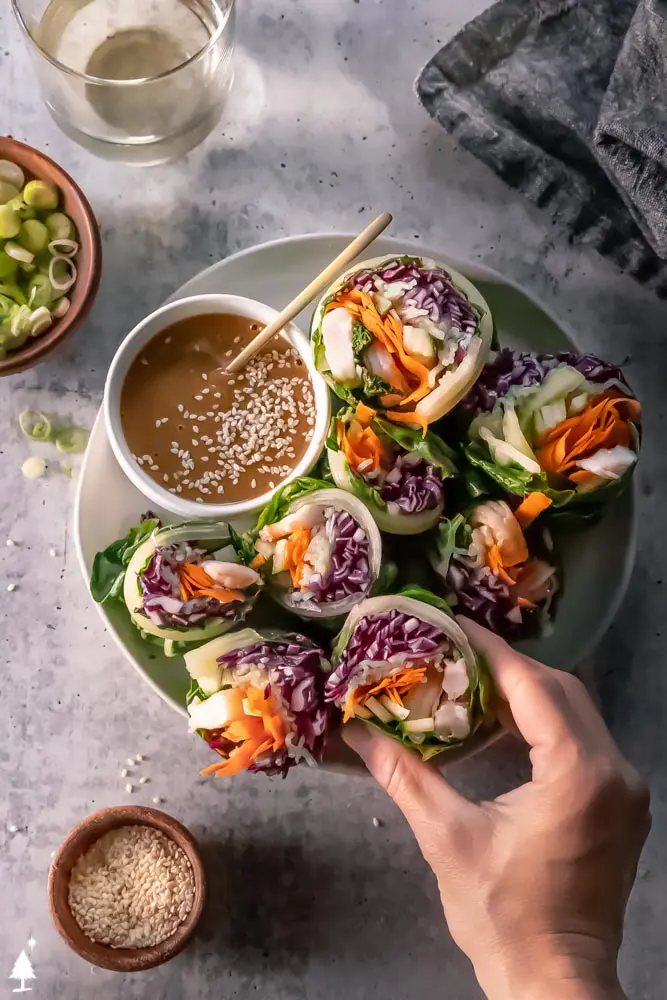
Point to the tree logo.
(22, 972)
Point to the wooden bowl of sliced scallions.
(50, 256)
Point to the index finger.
(548, 707)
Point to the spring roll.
(258, 701)
(491, 570)
(402, 334)
(559, 430)
(181, 584)
(398, 473)
(322, 551)
(403, 664)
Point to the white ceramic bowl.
(161, 319)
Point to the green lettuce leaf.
(281, 501)
(431, 447)
(450, 537)
(106, 579)
(361, 338)
(374, 385)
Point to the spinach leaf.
(106, 579)
(374, 385)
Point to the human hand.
(534, 885)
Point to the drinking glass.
(138, 80)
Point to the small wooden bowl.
(37, 166)
(78, 841)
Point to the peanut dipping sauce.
(208, 436)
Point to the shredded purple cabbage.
(377, 638)
(160, 588)
(297, 670)
(510, 369)
(430, 289)
(483, 597)
(350, 568)
(412, 487)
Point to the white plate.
(596, 562)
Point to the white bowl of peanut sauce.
(201, 443)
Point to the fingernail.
(358, 736)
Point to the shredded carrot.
(604, 423)
(295, 550)
(364, 414)
(388, 331)
(258, 561)
(195, 582)
(495, 562)
(394, 687)
(408, 418)
(360, 444)
(254, 735)
(523, 602)
(531, 507)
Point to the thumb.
(430, 805)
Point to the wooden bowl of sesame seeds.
(135, 846)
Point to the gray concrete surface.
(308, 898)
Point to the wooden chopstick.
(316, 286)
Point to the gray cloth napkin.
(567, 101)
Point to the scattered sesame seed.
(157, 800)
(376, 822)
(144, 361)
(143, 779)
(138, 757)
(130, 761)
(10, 542)
(199, 397)
(129, 788)
(12, 828)
(53, 553)
(204, 376)
(236, 340)
(11, 587)
(123, 773)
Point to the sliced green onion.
(11, 173)
(63, 248)
(40, 291)
(17, 252)
(7, 192)
(41, 195)
(40, 321)
(60, 282)
(10, 222)
(33, 467)
(60, 226)
(8, 266)
(20, 323)
(72, 440)
(67, 470)
(62, 307)
(34, 236)
(11, 289)
(35, 425)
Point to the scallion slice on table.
(35, 425)
(72, 440)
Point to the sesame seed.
(167, 340)
(10, 542)
(123, 773)
(129, 788)
(199, 397)
(12, 828)
(11, 587)
(138, 757)
(157, 800)
(130, 761)
(143, 779)
(204, 376)
(53, 553)
(144, 361)
(236, 340)
(376, 822)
